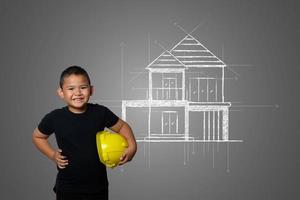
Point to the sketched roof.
(193, 54)
(166, 60)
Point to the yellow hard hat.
(110, 147)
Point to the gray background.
(260, 39)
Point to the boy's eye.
(84, 87)
(70, 88)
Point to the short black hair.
(77, 70)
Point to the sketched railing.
(167, 93)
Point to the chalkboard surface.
(115, 41)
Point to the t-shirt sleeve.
(46, 124)
(110, 118)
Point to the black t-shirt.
(76, 137)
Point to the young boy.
(80, 173)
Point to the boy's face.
(76, 92)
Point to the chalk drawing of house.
(185, 95)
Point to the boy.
(80, 173)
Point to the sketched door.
(198, 89)
(169, 88)
(169, 122)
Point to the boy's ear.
(60, 92)
(91, 90)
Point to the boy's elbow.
(34, 138)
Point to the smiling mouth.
(78, 99)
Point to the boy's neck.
(77, 110)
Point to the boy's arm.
(41, 142)
(124, 129)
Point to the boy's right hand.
(59, 159)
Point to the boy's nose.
(78, 91)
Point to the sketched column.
(150, 85)
(183, 85)
(186, 121)
(149, 103)
(124, 110)
(225, 124)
